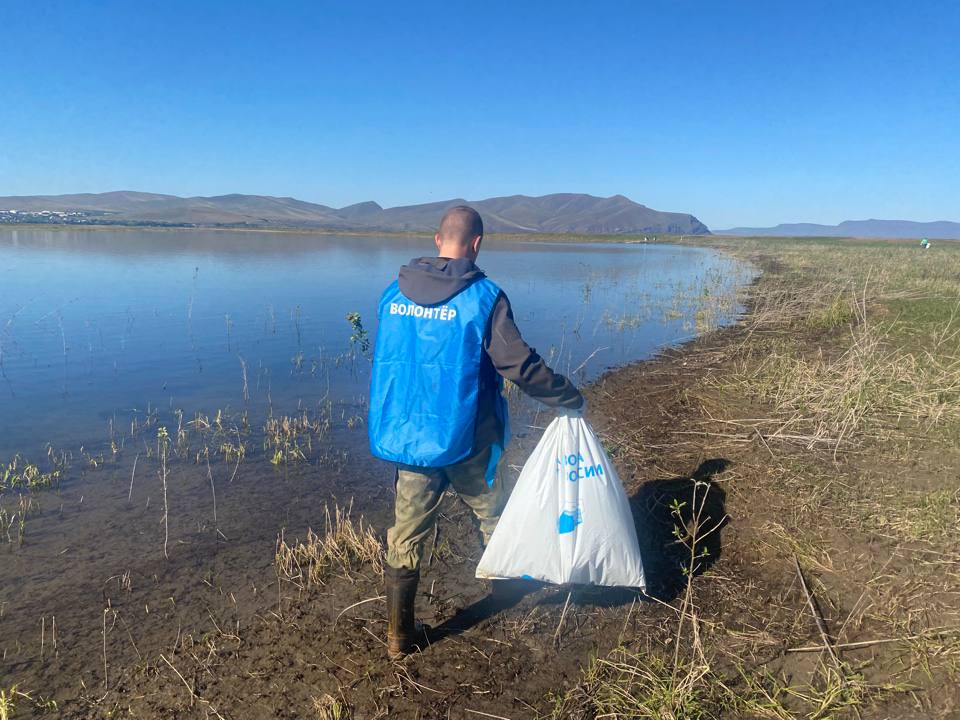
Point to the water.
(101, 327)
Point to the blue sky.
(743, 113)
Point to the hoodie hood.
(433, 280)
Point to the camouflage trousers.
(420, 492)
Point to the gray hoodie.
(431, 280)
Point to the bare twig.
(132, 474)
(213, 490)
(483, 714)
(105, 611)
(193, 695)
(239, 456)
(589, 358)
(433, 545)
(822, 627)
(350, 607)
(821, 624)
(563, 615)
(879, 641)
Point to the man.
(446, 340)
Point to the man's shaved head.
(461, 225)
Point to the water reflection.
(100, 327)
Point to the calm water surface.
(100, 327)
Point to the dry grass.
(831, 692)
(12, 700)
(327, 707)
(910, 515)
(889, 321)
(870, 387)
(343, 548)
(8, 702)
(628, 684)
(15, 517)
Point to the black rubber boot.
(403, 634)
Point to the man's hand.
(578, 413)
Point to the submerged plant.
(359, 338)
(6, 522)
(290, 438)
(25, 505)
(163, 450)
(297, 361)
(233, 451)
(19, 473)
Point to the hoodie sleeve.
(522, 365)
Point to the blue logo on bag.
(568, 521)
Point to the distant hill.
(559, 213)
(941, 230)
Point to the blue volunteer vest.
(426, 376)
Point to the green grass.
(910, 515)
(839, 313)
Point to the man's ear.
(437, 242)
(476, 244)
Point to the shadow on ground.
(659, 507)
(662, 506)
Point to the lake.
(101, 329)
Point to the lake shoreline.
(633, 238)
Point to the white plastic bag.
(568, 519)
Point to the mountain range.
(558, 213)
(942, 230)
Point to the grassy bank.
(828, 422)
